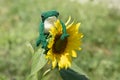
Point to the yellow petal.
(54, 63)
(77, 26)
(74, 53)
(68, 20)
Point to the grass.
(19, 21)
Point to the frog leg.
(65, 34)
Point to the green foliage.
(19, 20)
(69, 74)
(38, 61)
(53, 74)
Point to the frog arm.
(42, 37)
(41, 34)
(65, 34)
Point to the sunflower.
(61, 51)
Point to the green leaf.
(42, 72)
(30, 47)
(69, 74)
(78, 69)
(32, 77)
(38, 61)
(75, 73)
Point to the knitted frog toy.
(48, 20)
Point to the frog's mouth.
(49, 22)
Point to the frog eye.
(58, 14)
(42, 16)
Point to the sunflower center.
(59, 45)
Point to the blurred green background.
(100, 24)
